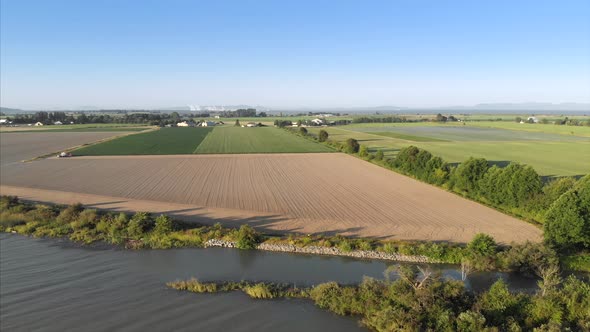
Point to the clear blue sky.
(127, 53)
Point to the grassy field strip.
(256, 140)
(409, 137)
(162, 141)
(549, 158)
(582, 131)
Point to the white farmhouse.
(318, 122)
(207, 124)
(38, 124)
(58, 123)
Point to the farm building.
(38, 124)
(251, 124)
(58, 123)
(318, 122)
(186, 124)
(532, 119)
(207, 124)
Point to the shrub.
(345, 245)
(481, 252)
(363, 152)
(163, 225)
(70, 213)
(247, 238)
(470, 321)
(139, 224)
(259, 291)
(498, 304)
(352, 146)
(302, 131)
(85, 219)
(483, 245)
(323, 136)
(379, 155)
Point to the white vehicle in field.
(64, 155)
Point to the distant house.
(217, 116)
(186, 124)
(58, 123)
(532, 119)
(3, 121)
(318, 122)
(207, 124)
(251, 124)
(38, 124)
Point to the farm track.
(304, 193)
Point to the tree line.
(414, 298)
(562, 205)
(83, 118)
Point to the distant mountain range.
(478, 108)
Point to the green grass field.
(163, 141)
(407, 137)
(231, 139)
(548, 157)
(537, 127)
(222, 139)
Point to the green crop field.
(407, 137)
(453, 132)
(550, 154)
(163, 141)
(221, 139)
(231, 139)
(537, 127)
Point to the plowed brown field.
(305, 193)
(16, 147)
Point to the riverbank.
(143, 230)
(329, 251)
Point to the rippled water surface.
(53, 285)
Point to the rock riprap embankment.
(316, 250)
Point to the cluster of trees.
(84, 118)
(560, 122)
(381, 119)
(43, 117)
(416, 299)
(241, 113)
(283, 123)
(562, 205)
(572, 122)
(413, 298)
(442, 118)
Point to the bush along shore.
(561, 206)
(412, 298)
(143, 230)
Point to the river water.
(55, 285)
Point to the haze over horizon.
(138, 54)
